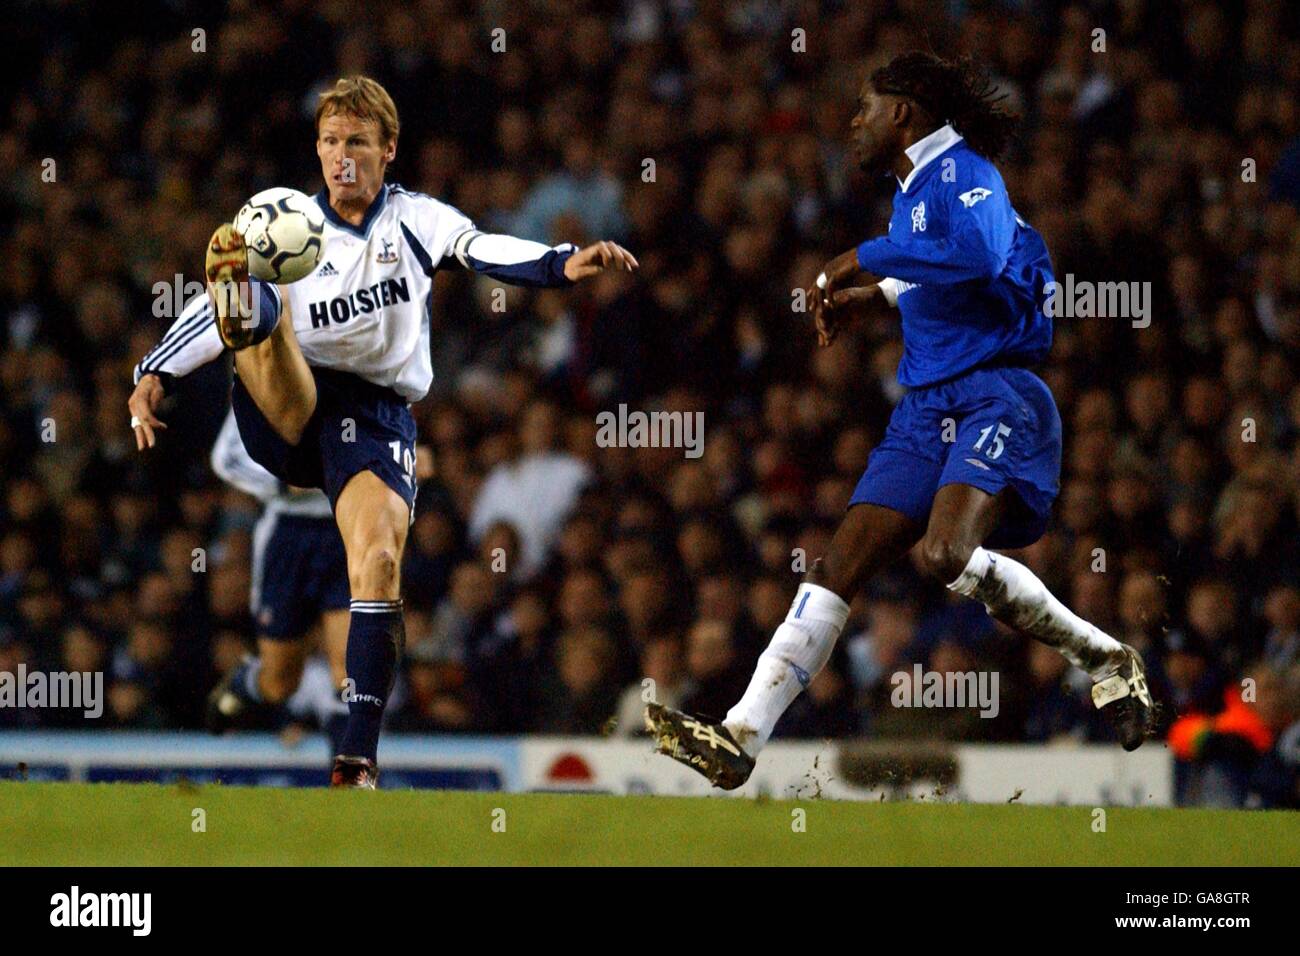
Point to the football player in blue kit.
(972, 454)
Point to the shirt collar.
(928, 148)
(363, 230)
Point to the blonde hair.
(362, 97)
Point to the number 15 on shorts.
(996, 447)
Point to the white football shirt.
(364, 309)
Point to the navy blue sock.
(266, 309)
(376, 637)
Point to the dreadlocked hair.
(953, 91)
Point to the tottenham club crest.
(918, 217)
(389, 254)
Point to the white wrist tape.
(889, 288)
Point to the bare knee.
(375, 574)
(373, 521)
(944, 557)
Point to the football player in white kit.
(322, 398)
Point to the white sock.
(1015, 595)
(799, 650)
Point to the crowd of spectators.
(548, 577)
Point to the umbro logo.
(978, 464)
(327, 270)
(971, 197)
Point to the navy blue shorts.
(299, 570)
(990, 428)
(357, 426)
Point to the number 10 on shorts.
(996, 447)
(405, 457)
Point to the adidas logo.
(327, 270)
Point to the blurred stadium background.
(640, 562)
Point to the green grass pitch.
(145, 824)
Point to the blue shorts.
(991, 428)
(357, 426)
(299, 571)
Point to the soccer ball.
(283, 230)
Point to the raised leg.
(952, 552)
(254, 320)
(279, 380)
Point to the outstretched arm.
(524, 262)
